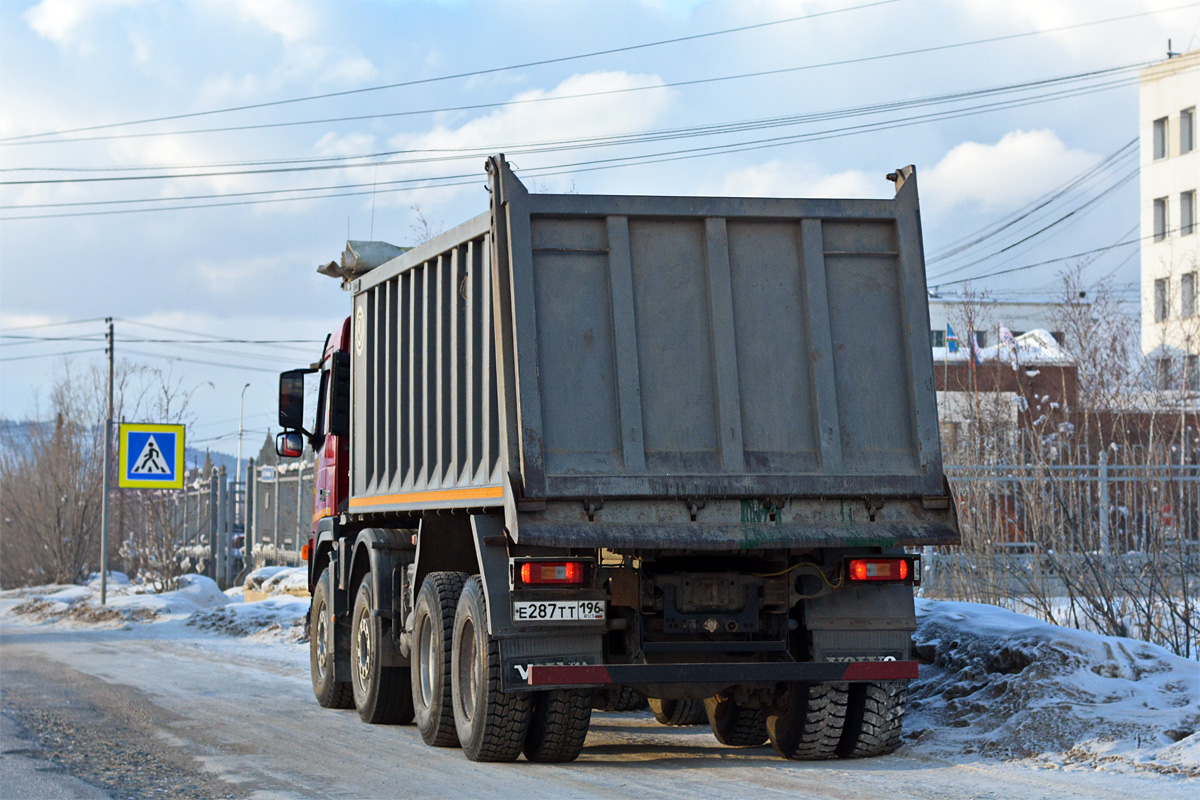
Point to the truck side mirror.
(339, 398)
(291, 399)
(289, 444)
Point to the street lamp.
(237, 481)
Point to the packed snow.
(1006, 685)
(993, 683)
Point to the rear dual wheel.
(432, 641)
(382, 694)
(735, 725)
(492, 724)
(819, 721)
(678, 712)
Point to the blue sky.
(248, 271)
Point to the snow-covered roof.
(1036, 347)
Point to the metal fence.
(1099, 507)
(279, 504)
(208, 530)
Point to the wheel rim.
(322, 647)
(364, 650)
(468, 669)
(425, 648)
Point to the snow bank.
(126, 602)
(281, 619)
(1005, 685)
(278, 580)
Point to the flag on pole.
(951, 339)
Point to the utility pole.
(237, 480)
(107, 464)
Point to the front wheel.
(382, 694)
(329, 693)
(492, 724)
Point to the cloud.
(290, 20)
(779, 178)
(530, 123)
(1021, 166)
(61, 21)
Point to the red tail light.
(535, 572)
(878, 569)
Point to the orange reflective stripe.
(436, 495)
(320, 515)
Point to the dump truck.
(583, 450)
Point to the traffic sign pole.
(107, 468)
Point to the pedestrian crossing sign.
(150, 456)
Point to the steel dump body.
(712, 373)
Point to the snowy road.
(200, 715)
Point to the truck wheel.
(620, 698)
(491, 723)
(558, 725)
(321, 653)
(808, 724)
(432, 634)
(678, 712)
(382, 695)
(874, 719)
(734, 725)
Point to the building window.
(981, 338)
(937, 338)
(1162, 373)
(1187, 130)
(1191, 378)
(1187, 213)
(1160, 138)
(1187, 295)
(1160, 219)
(1162, 299)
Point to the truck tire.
(808, 724)
(558, 725)
(618, 699)
(678, 712)
(432, 636)
(382, 695)
(491, 723)
(734, 725)
(329, 693)
(874, 719)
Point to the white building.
(1170, 176)
(986, 318)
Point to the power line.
(995, 228)
(470, 74)
(556, 98)
(53, 355)
(53, 324)
(622, 161)
(648, 136)
(1125, 243)
(1079, 209)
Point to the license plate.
(557, 610)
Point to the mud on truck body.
(583, 449)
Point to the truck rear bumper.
(585, 675)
